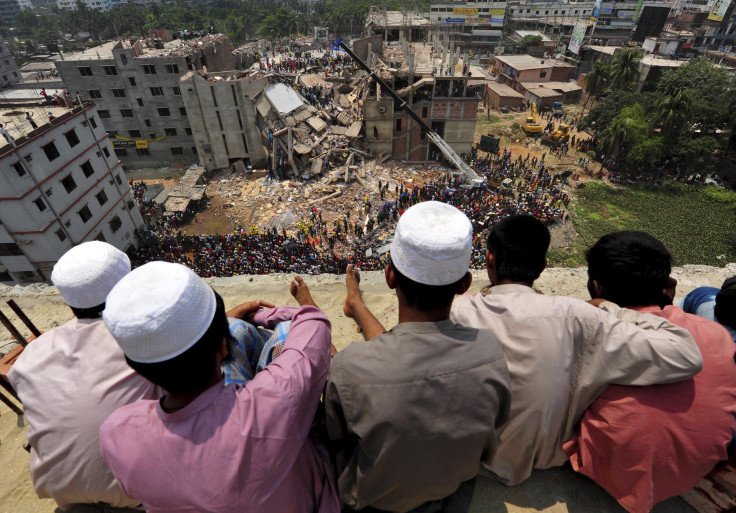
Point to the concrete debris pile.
(314, 126)
(190, 190)
(194, 46)
(248, 54)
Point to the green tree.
(278, 24)
(629, 128)
(528, 41)
(596, 81)
(672, 114)
(625, 68)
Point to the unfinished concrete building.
(397, 25)
(448, 103)
(136, 87)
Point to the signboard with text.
(578, 34)
(596, 10)
(465, 10)
(717, 9)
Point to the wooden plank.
(725, 475)
(16, 334)
(709, 497)
(23, 317)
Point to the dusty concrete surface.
(553, 491)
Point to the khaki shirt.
(561, 354)
(413, 412)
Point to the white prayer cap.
(432, 244)
(159, 311)
(85, 274)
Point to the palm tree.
(596, 81)
(672, 114)
(622, 130)
(625, 67)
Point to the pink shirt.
(70, 380)
(646, 444)
(234, 448)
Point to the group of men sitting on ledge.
(156, 397)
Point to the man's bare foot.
(352, 282)
(301, 293)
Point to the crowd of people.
(282, 60)
(258, 411)
(316, 246)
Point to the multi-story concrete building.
(71, 5)
(9, 10)
(137, 89)
(448, 104)
(469, 23)
(9, 73)
(60, 185)
(222, 120)
(25, 5)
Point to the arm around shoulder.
(642, 349)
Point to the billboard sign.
(454, 20)
(465, 10)
(578, 34)
(596, 10)
(717, 9)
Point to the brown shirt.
(414, 412)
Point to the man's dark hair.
(426, 297)
(194, 367)
(94, 312)
(519, 246)
(725, 309)
(632, 267)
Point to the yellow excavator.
(532, 127)
(560, 135)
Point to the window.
(172, 68)
(104, 114)
(85, 71)
(140, 101)
(214, 97)
(188, 131)
(92, 122)
(240, 120)
(51, 152)
(163, 111)
(101, 237)
(142, 152)
(170, 131)
(115, 224)
(424, 112)
(106, 152)
(177, 151)
(398, 125)
(49, 192)
(219, 120)
(126, 113)
(118, 93)
(245, 145)
(94, 93)
(543, 73)
(60, 233)
(121, 152)
(123, 59)
(118, 179)
(235, 96)
(147, 122)
(177, 91)
(40, 203)
(85, 214)
(134, 133)
(19, 168)
(101, 197)
(69, 183)
(182, 111)
(10, 249)
(132, 81)
(71, 138)
(110, 70)
(157, 91)
(28, 158)
(194, 149)
(423, 134)
(152, 135)
(131, 204)
(224, 142)
(149, 69)
(87, 169)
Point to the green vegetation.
(528, 41)
(687, 119)
(695, 223)
(240, 21)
